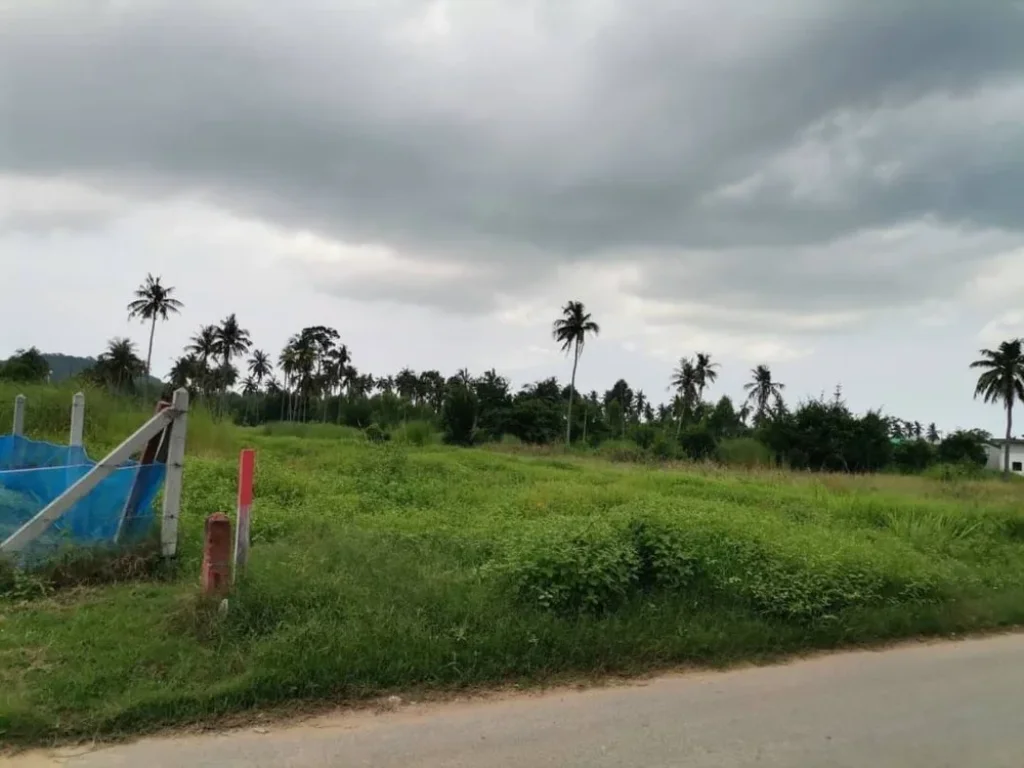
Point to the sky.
(834, 188)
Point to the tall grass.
(379, 567)
(109, 419)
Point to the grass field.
(380, 568)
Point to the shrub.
(664, 560)
(664, 448)
(963, 447)
(375, 434)
(417, 433)
(913, 456)
(645, 435)
(698, 443)
(621, 450)
(593, 571)
(744, 452)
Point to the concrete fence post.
(77, 420)
(19, 416)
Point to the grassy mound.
(396, 565)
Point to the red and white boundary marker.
(246, 466)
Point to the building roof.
(1000, 442)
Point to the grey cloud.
(593, 135)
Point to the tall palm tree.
(288, 360)
(686, 384)
(232, 339)
(153, 301)
(761, 390)
(640, 404)
(1002, 381)
(204, 346)
(570, 330)
(933, 433)
(705, 373)
(406, 383)
(260, 366)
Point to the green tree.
(761, 390)
(1002, 381)
(187, 372)
(153, 301)
(25, 365)
(705, 373)
(686, 384)
(260, 366)
(459, 414)
(232, 339)
(204, 347)
(570, 330)
(119, 366)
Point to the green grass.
(392, 567)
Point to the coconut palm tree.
(260, 366)
(187, 372)
(1002, 381)
(204, 346)
(119, 366)
(640, 404)
(685, 381)
(406, 382)
(153, 301)
(288, 360)
(933, 433)
(570, 330)
(705, 373)
(761, 390)
(335, 366)
(232, 339)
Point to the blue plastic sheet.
(34, 473)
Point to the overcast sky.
(832, 187)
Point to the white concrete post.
(19, 415)
(175, 471)
(77, 420)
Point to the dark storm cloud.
(595, 132)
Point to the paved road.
(929, 705)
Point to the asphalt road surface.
(925, 705)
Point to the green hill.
(64, 367)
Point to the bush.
(664, 448)
(593, 571)
(913, 456)
(698, 443)
(621, 450)
(664, 560)
(417, 433)
(645, 435)
(963, 447)
(744, 452)
(375, 434)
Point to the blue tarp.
(34, 473)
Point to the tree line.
(313, 378)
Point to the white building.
(995, 455)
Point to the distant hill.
(65, 367)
